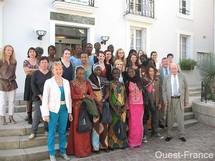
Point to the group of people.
(133, 90)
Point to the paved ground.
(200, 141)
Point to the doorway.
(66, 36)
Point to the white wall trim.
(130, 24)
(1, 24)
(90, 30)
(183, 16)
(191, 43)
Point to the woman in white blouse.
(56, 108)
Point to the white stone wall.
(21, 19)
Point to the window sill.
(187, 17)
(138, 18)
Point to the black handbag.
(120, 130)
(84, 123)
(106, 115)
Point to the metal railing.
(208, 90)
(141, 7)
(89, 2)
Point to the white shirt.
(172, 84)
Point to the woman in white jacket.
(56, 108)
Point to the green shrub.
(207, 72)
(187, 64)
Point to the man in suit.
(164, 71)
(175, 97)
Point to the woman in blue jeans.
(56, 108)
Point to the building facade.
(182, 27)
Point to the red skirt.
(79, 144)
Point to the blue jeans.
(57, 119)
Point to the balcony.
(140, 11)
(81, 6)
(141, 7)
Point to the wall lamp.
(40, 34)
(104, 39)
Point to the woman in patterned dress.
(100, 130)
(29, 65)
(117, 100)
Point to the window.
(138, 38)
(184, 46)
(140, 7)
(135, 6)
(184, 7)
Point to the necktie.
(175, 87)
(166, 71)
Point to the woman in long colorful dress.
(117, 100)
(79, 144)
(136, 109)
(100, 130)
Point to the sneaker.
(52, 158)
(65, 156)
(145, 139)
(46, 133)
(32, 136)
(158, 136)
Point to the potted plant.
(187, 64)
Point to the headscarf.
(97, 80)
(136, 79)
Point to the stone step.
(187, 123)
(188, 115)
(20, 108)
(188, 109)
(22, 142)
(20, 129)
(193, 89)
(29, 154)
(195, 93)
(19, 102)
